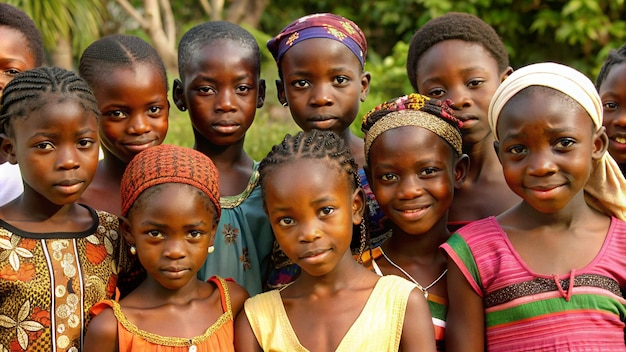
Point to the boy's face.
(465, 73)
(134, 110)
(15, 56)
(413, 173)
(323, 83)
(221, 90)
(56, 148)
(613, 95)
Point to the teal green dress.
(243, 241)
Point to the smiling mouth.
(620, 140)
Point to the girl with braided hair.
(414, 163)
(611, 84)
(335, 304)
(171, 310)
(129, 81)
(57, 257)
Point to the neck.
(111, 167)
(419, 248)
(483, 158)
(225, 155)
(347, 274)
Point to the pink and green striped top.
(526, 311)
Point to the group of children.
(356, 232)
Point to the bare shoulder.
(238, 295)
(418, 333)
(102, 332)
(245, 340)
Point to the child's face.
(546, 149)
(323, 83)
(172, 248)
(134, 107)
(56, 147)
(413, 174)
(613, 95)
(468, 75)
(15, 56)
(312, 216)
(222, 91)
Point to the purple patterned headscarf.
(320, 25)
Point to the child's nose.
(139, 124)
(321, 95)
(460, 98)
(621, 118)
(67, 158)
(175, 250)
(309, 233)
(409, 188)
(225, 101)
(541, 164)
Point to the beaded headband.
(416, 118)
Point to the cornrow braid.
(115, 51)
(27, 93)
(454, 25)
(615, 57)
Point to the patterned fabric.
(167, 163)
(321, 25)
(243, 241)
(606, 187)
(582, 310)
(438, 305)
(217, 337)
(48, 283)
(377, 328)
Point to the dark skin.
(415, 190)
(134, 116)
(323, 303)
(222, 97)
(546, 148)
(172, 249)
(467, 74)
(57, 150)
(613, 94)
(323, 84)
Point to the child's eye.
(195, 234)
(285, 222)
(609, 105)
(436, 93)
(429, 171)
(341, 80)
(565, 143)
(206, 90)
(154, 110)
(325, 211)
(243, 89)
(155, 234)
(475, 83)
(11, 72)
(516, 149)
(116, 114)
(85, 143)
(388, 177)
(301, 83)
(44, 146)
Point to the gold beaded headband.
(416, 118)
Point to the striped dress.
(525, 311)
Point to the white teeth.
(621, 140)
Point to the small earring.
(133, 250)
(285, 104)
(211, 249)
(183, 108)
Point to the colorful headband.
(321, 25)
(167, 163)
(606, 188)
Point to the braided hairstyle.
(33, 89)
(115, 51)
(454, 25)
(17, 19)
(615, 57)
(320, 145)
(208, 32)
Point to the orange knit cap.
(169, 164)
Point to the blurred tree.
(67, 26)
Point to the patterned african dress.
(217, 337)
(377, 328)
(243, 241)
(582, 310)
(48, 283)
(438, 305)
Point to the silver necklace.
(424, 289)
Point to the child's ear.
(506, 73)
(280, 92)
(358, 205)
(600, 143)
(366, 77)
(178, 95)
(460, 170)
(261, 96)
(126, 230)
(7, 148)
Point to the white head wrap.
(606, 188)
